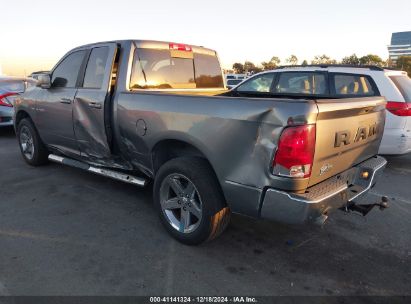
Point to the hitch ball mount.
(365, 209)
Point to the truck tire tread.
(219, 223)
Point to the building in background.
(400, 45)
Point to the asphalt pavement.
(68, 232)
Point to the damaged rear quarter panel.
(238, 136)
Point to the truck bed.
(239, 136)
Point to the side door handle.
(65, 100)
(95, 105)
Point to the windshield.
(16, 86)
(403, 84)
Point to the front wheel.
(189, 200)
(32, 148)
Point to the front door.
(55, 105)
(92, 108)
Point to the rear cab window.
(403, 83)
(169, 69)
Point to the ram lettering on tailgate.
(346, 138)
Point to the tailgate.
(349, 131)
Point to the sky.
(35, 34)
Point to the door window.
(261, 83)
(66, 73)
(354, 85)
(96, 68)
(307, 83)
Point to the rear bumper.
(336, 192)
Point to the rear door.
(92, 104)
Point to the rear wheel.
(189, 200)
(32, 148)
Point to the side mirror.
(44, 81)
(59, 82)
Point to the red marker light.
(180, 47)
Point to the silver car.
(232, 83)
(10, 87)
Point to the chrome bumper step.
(100, 171)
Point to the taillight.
(295, 152)
(180, 47)
(3, 100)
(399, 108)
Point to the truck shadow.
(113, 227)
(348, 256)
(345, 254)
(7, 132)
(398, 161)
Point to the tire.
(32, 148)
(200, 200)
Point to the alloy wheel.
(26, 142)
(181, 203)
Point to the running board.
(104, 172)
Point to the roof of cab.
(151, 44)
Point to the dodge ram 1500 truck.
(137, 111)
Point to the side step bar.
(104, 172)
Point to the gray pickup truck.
(138, 111)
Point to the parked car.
(360, 81)
(143, 110)
(233, 80)
(236, 76)
(10, 87)
(231, 83)
(35, 75)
